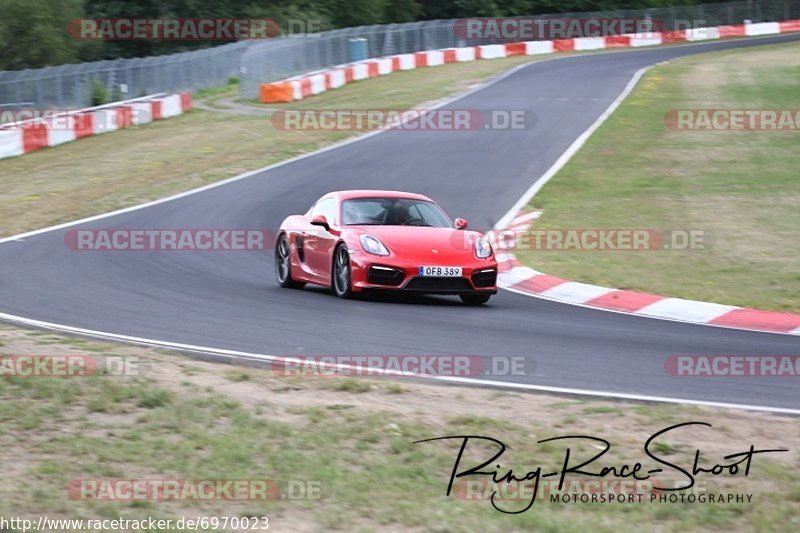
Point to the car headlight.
(482, 248)
(373, 246)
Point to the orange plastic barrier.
(564, 45)
(618, 41)
(84, 124)
(34, 137)
(790, 25)
(155, 105)
(273, 93)
(732, 31)
(186, 101)
(515, 49)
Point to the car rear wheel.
(283, 270)
(341, 273)
(475, 299)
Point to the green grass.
(231, 87)
(742, 187)
(367, 467)
(237, 375)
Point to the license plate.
(440, 272)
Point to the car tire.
(340, 279)
(475, 299)
(283, 264)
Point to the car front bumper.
(479, 276)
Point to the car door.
(318, 243)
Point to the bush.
(99, 93)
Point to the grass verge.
(352, 439)
(742, 187)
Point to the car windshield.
(393, 212)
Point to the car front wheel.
(283, 270)
(341, 273)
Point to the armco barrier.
(22, 137)
(305, 86)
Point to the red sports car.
(354, 241)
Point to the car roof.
(367, 193)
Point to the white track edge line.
(234, 354)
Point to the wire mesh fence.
(268, 60)
(75, 86)
(271, 61)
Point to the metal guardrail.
(255, 62)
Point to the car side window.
(327, 207)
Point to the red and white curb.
(518, 278)
(313, 83)
(26, 136)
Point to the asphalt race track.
(230, 300)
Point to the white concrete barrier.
(492, 51)
(317, 83)
(60, 130)
(533, 48)
(762, 28)
(171, 106)
(360, 71)
(384, 66)
(645, 39)
(406, 61)
(142, 113)
(105, 120)
(336, 78)
(435, 58)
(702, 34)
(11, 143)
(590, 43)
(466, 53)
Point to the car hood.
(404, 240)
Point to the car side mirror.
(460, 223)
(320, 220)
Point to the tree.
(33, 33)
(402, 11)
